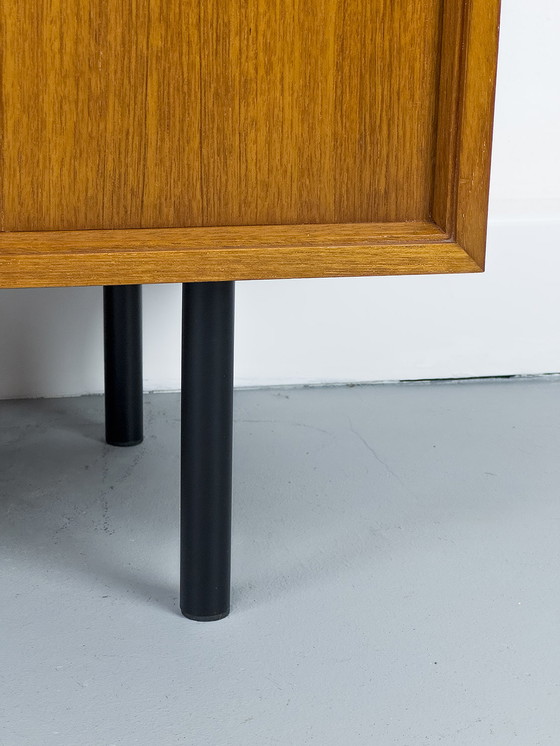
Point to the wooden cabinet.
(197, 140)
(208, 141)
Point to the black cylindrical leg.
(206, 449)
(122, 309)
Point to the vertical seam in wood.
(257, 89)
(240, 79)
(450, 210)
(146, 85)
(465, 26)
(203, 205)
(437, 106)
(2, 120)
(104, 170)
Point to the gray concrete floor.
(396, 563)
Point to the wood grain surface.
(221, 121)
(155, 113)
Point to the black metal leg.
(206, 449)
(122, 309)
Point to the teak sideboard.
(209, 141)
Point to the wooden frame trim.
(41, 259)
(476, 125)
(453, 242)
(444, 202)
(470, 31)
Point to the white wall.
(367, 329)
